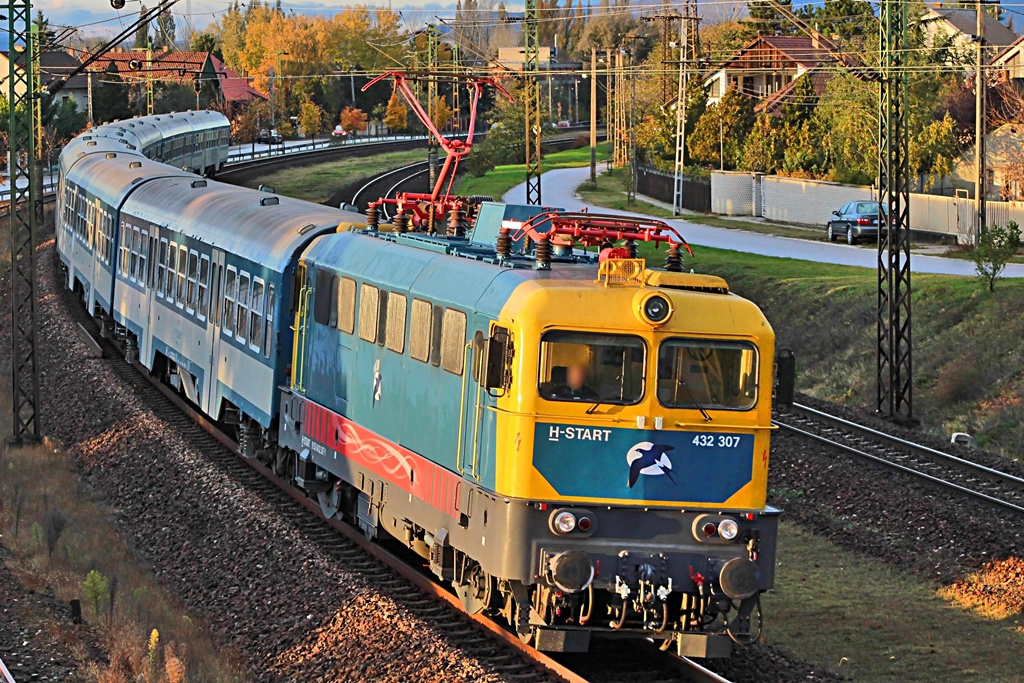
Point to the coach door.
(215, 322)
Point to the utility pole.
(149, 78)
(631, 190)
(980, 107)
(22, 99)
(687, 48)
(270, 77)
(593, 115)
(456, 90)
(666, 31)
(88, 96)
(433, 38)
(894, 368)
(620, 109)
(531, 101)
(609, 114)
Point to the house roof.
(232, 86)
(1015, 47)
(176, 67)
(820, 78)
(966, 22)
(802, 50)
(57, 63)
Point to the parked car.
(269, 137)
(339, 132)
(854, 221)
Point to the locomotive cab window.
(598, 368)
(703, 373)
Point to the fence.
(811, 202)
(661, 186)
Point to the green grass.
(610, 192)
(869, 622)
(503, 178)
(317, 183)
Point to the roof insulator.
(91, 143)
(198, 183)
(111, 155)
(306, 228)
(269, 201)
(266, 188)
(135, 164)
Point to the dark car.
(269, 137)
(855, 220)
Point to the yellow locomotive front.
(636, 425)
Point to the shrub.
(95, 588)
(996, 247)
(54, 523)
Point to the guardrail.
(265, 151)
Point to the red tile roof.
(232, 86)
(773, 103)
(177, 67)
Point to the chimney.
(815, 39)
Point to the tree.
(311, 119)
(764, 147)
(206, 42)
(142, 32)
(396, 118)
(765, 20)
(996, 246)
(111, 97)
(165, 30)
(719, 134)
(442, 114)
(353, 120)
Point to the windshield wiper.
(707, 418)
(591, 409)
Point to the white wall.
(732, 193)
(807, 202)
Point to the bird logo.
(650, 459)
(376, 381)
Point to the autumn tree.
(442, 114)
(396, 118)
(311, 119)
(353, 120)
(719, 134)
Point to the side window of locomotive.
(182, 268)
(230, 294)
(394, 338)
(589, 367)
(268, 335)
(193, 282)
(242, 322)
(323, 296)
(369, 299)
(204, 285)
(420, 330)
(453, 340)
(256, 318)
(707, 373)
(346, 305)
(382, 316)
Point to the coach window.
(268, 335)
(394, 335)
(90, 222)
(256, 321)
(172, 276)
(453, 339)
(124, 250)
(420, 330)
(143, 274)
(230, 294)
(346, 305)
(193, 281)
(369, 298)
(182, 267)
(133, 269)
(204, 285)
(242, 324)
(161, 268)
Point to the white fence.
(811, 202)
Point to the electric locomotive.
(576, 442)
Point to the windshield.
(592, 368)
(700, 373)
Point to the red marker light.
(710, 529)
(542, 506)
(584, 524)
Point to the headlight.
(656, 309)
(565, 522)
(728, 529)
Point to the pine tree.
(765, 21)
(142, 33)
(165, 30)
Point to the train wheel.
(477, 590)
(330, 502)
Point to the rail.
(992, 486)
(699, 673)
(7, 677)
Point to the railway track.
(487, 640)
(387, 183)
(997, 488)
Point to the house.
(769, 64)
(234, 88)
(956, 27)
(180, 68)
(1003, 155)
(1009, 64)
(53, 65)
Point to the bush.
(579, 142)
(479, 162)
(996, 247)
(95, 588)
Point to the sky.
(97, 17)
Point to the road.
(559, 187)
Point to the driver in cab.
(575, 387)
